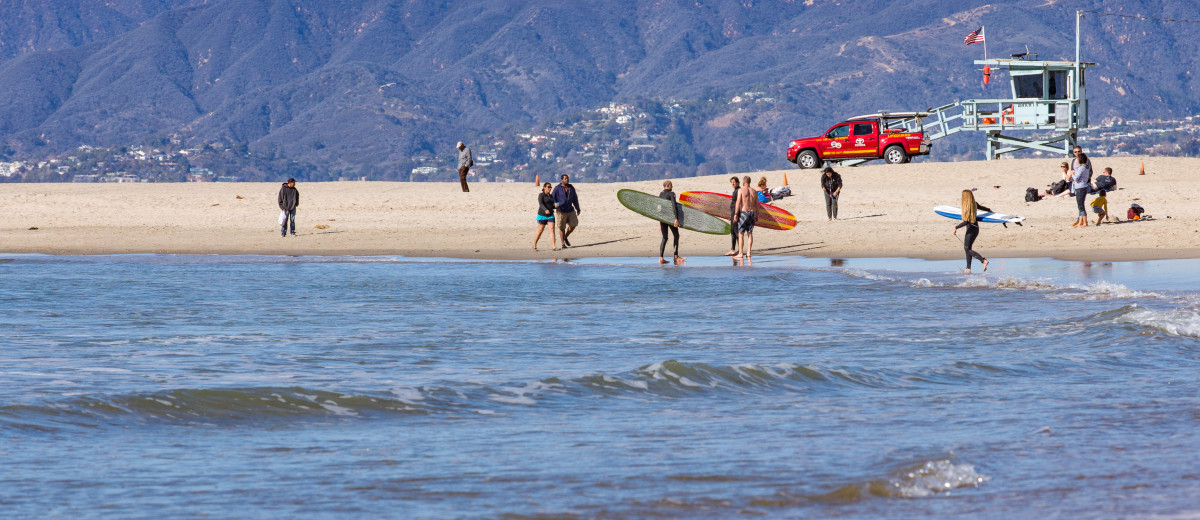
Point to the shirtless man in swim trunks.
(746, 209)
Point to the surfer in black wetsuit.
(669, 195)
(733, 217)
(969, 221)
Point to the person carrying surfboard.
(733, 216)
(747, 214)
(669, 195)
(969, 221)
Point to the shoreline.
(886, 212)
(1070, 256)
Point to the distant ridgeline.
(173, 90)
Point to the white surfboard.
(955, 213)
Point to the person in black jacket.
(289, 198)
(662, 247)
(971, 222)
(545, 216)
(831, 185)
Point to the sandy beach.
(886, 211)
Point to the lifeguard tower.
(1047, 96)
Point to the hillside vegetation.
(379, 88)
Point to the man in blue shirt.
(566, 204)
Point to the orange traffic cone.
(1143, 172)
(537, 179)
(785, 179)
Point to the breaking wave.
(1176, 322)
(662, 380)
(923, 480)
(1101, 290)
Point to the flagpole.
(983, 32)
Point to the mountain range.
(362, 85)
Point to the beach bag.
(282, 217)
(781, 192)
(1031, 195)
(1058, 187)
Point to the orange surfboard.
(717, 205)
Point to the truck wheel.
(895, 154)
(808, 159)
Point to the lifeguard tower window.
(1028, 86)
(1041, 85)
(862, 129)
(1058, 85)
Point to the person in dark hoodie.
(831, 185)
(289, 198)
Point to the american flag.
(976, 36)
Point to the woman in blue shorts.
(545, 216)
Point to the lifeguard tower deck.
(1047, 96)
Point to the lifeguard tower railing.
(1047, 97)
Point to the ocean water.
(376, 387)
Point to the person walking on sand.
(969, 221)
(465, 162)
(545, 217)
(747, 212)
(831, 185)
(289, 198)
(1081, 182)
(733, 216)
(663, 226)
(566, 202)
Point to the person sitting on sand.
(1100, 206)
(545, 216)
(1104, 181)
(970, 221)
(663, 226)
(1060, 189)
(764, 194)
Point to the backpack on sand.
(1058, 187)
(1031, 195)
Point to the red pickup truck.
(860, 138)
